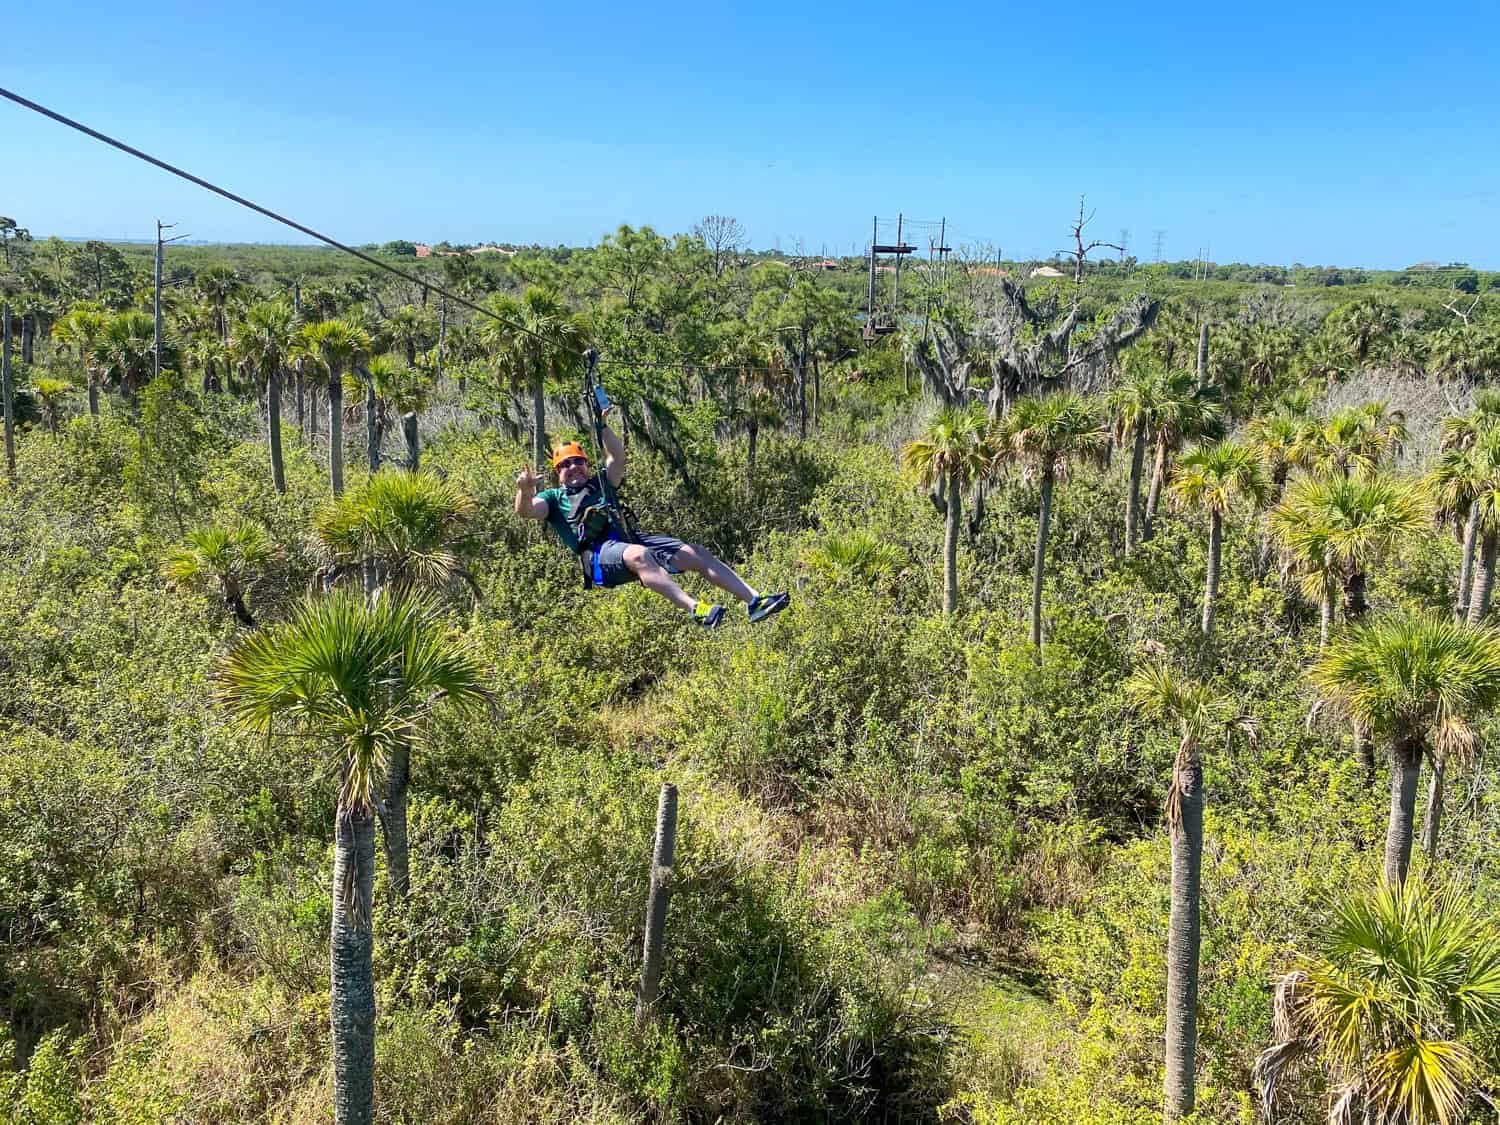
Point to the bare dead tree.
(1080, 251)
(1462, 314)
(723, 236)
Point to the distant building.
(1047, 271)
(423, 250)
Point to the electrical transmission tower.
(1161, 236)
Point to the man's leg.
(698, 560)
(653, 576)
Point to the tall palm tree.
(1395, 1007)
(535, 342)
(1458, 484)
(52, 393)
(1362, 326)
(217, 284)
(263, 343)
(1421, 681)
(361, 677)
(403, 527)
(1356, 441)
(952, 456)
(337, 345)
(1043, 436)
(1183, 410)
(81, 330)
(226, 556)
(1196, 712)
(1132, 404)
(125, 351)
(1213, 477)
(756, 410)
(411, 330)
(1333, 529)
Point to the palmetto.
(81, 330)
(124, 351)
(1132, 405)
(536, 356)
(1422, 682)
(1197, 712)
(953, 455)
(1213, 478)
(52, 393)
(262, 344)
(359, 677)
(1331, 530)
(336, 345)
(1042, 436)
(1354, 441)
(1407, 984)
(1181, 410)
(227, 556)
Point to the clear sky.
(1324, 132)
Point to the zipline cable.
(266, 211)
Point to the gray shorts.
(606, 566)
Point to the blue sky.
(1356, 134)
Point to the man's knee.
(640, 560)
(691, 556)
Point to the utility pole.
(896, 286)
(156, 297)
(870, 304)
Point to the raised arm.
(529, 506)
(614, 457)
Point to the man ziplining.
(581, 510)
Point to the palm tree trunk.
(1434, 819)
(802, 387)
(817, 390)
(1153, 498)
(352, 980)
(312, 416)
(393, 819)
(300, 389)
(1466, 567)
(1355, 603)
(538, 421)
(1133, 492)
(336, 435)
(1325, 620)
(413, 438)
(1203, 355)
(1183, 941)
(93, 397)
(1484, 578)
(1044, 520)
(950, 547)
(1406, 764)
(273, 415)
(372, 425)
(1211, 584)
(750, 458)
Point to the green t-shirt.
(578, 516)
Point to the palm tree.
(411, 330)
(1457, 484)
(1333, 529)
(1421, 681)
(1132, 404)
(227, 556)
(1395, 1008)
(125, 351)
(952, 456)
(1357, 440)
(263, 343)
(52, 393)
(757, 410)
(1183, 410)
(1043, 435)
(1197, 712)
(81, 330)
(402, 527)
(1360, 327)
(217, 284)
(534, 342)
(337, 346)
(361, 677)
(1213, 477)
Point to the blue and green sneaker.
(766, 604)
(708, 615)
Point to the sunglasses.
(570, 462)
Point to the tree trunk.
(1153, 498)
(372, 425)
(653, 953)
(1355, 603)
(234, 599)
(1433, 823)
(312, 416)
(393, 819)
(1325, 620)
(413, 440)
(6, 393)
(1406, 764)
(1133, 490)
(273, 415)
(1182, 943)
(950, 547)
(299, 386)
(93, 397)
(1044, 519)
(802, 387)
(539, 422)
(750, 459)
(336, 435)
(28, 333)
(1203, 355)
(1466, 565)
(1211, 584)
(1484, 578)
(817, 390)
(352, 980)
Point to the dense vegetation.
(1080, 780)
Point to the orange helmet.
(567, 449)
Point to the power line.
(266, 211)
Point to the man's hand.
(526, 480)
